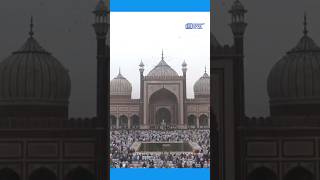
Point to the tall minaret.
(141, 107)
(238, 27)
(184, 70)
(101, 27)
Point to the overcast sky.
(142, 36)
(64, 28)
(274, 27)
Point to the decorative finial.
(31, 27)
(162, 58)
(305, 24)
(119, 70)
(184, 64)
(205, 69)
(141, 64)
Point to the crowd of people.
(122, 155)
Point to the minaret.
(101, 27)
(141, 69)
(238, 26)
(184, 70)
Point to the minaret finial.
(31, 27)
(205, 69)
(162, 58)
(305, 24)
(119, 70)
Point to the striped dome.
(120, 86)
(202, 86)
(162, 70)
(294, 81)
(33, 76)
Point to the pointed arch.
(135, 121)
(203, 120)
(160, 101)
(123, 121)
(192, 121)
(113, 121)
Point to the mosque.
(284, 145)
(163, 100)
(38, 140)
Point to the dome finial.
(162, 58)
(31, 27)
(305, 24)
(119, 76)
(205, 69)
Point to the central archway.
(163, 105)
(163, 115)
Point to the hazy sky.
(142, 36)
(274, 27)
(64, 28)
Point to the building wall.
(198, 108)
(124, 107)
(280, 151)
(60, 151)
(130, 107)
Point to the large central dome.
(162, 70)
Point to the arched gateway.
(163, 106)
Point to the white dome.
(120, 86)
(202, 86)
